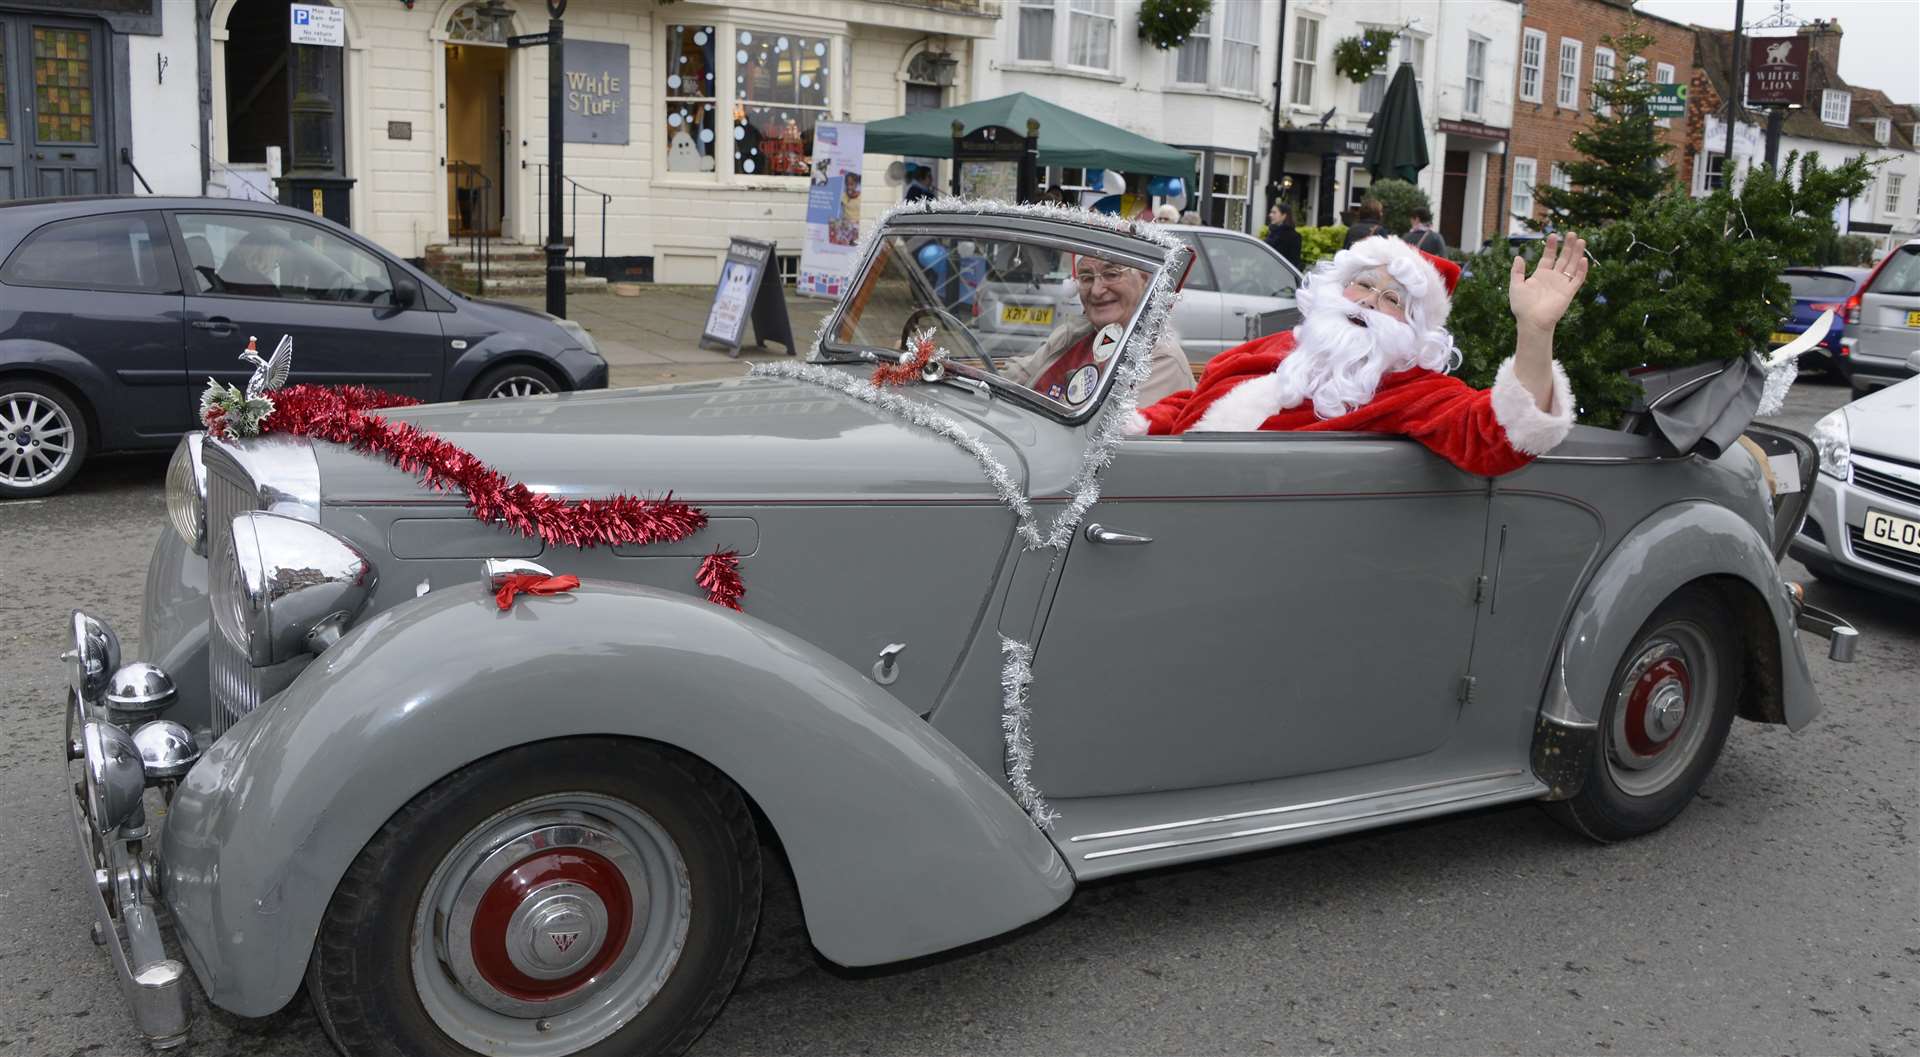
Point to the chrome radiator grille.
(231, 679)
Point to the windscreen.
(1818, 286)
(1034, 315)
(1901, 275)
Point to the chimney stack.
(1824, 41)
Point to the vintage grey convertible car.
(991, 649)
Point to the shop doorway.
(476, 94)
(54, 118)
(1453, 196)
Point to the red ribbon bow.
(532, 584)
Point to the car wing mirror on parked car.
(406, 293)
(1913, 361)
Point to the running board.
(1094, 849)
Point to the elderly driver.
(1069, 364)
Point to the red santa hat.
(1429, 280)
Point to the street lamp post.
(556, 137)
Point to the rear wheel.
(513, 380)
(43, 439)
(1667, 715)
(581, 897)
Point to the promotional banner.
(833, 208)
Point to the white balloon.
(673, 80)
(748, 166)
(745, 37)
(673, 120)
(706, 135)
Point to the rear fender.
(901, 845)
(1676, 546)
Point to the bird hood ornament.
(230, 412)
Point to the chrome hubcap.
(36, 439)
(1655, 728)
(517, 385)
(551, 925)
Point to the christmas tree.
(1625, 159)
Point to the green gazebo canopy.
(1066, 137)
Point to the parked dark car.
(114, 312)
(1817, 290)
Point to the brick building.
(1561, 53)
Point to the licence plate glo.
(1890, 531)
(1780, 337)
(1913, 319)
(1030, 315)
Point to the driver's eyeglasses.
(1382, 295)
(1109, 276)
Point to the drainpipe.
(203, 51)
(1277, 160)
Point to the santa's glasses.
(1383, 293)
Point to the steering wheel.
(952, 322)
(341, 286)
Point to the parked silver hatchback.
(1885, 327)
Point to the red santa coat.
(1482, 431)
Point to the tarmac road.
(1777, 915)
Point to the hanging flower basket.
(1168, 23)
(1358, 58)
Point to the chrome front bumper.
(116, 872)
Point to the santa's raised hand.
(1538, 301)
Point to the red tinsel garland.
(719, 576)
(920, 350)
(343, 415)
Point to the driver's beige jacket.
(1168, 369)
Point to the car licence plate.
(1028, 315)
(1913, 319)
(1890, 531)
(1780, 337)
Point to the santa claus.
(1371, 354)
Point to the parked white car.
(1014, 303)
(1883, 322)
(1863, 527)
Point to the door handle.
(1098, 533)
(216, 324)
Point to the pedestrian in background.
(1190, 218)
(1366, 222)
(1423, 237)
(1282, 235)
(1166, 213)
(918, 176)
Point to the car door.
(1274, 604)
(263, 275)
(1253, 280)
(1196, 314)
(104, 288)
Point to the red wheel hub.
(1657, 706)
(550, 923)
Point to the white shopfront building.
(702, 115)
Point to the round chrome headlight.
(187, 492)
(92, 656)
(139, 688)
(115, 779)
(167, 749)
(283, 580)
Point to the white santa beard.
(1336, 364)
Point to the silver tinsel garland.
(1107, 430)
(1015, 676)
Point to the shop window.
(690, 100)
(782, 88)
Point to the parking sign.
(317, 24)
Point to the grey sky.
(1876, 50)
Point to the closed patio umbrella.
(1398, 148)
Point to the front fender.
(900, 844)
(1676, 545)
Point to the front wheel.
(43, 439)
(510, 380)
(594, 896)
(1668, 710)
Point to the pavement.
(1779, 914)
(653, 335)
